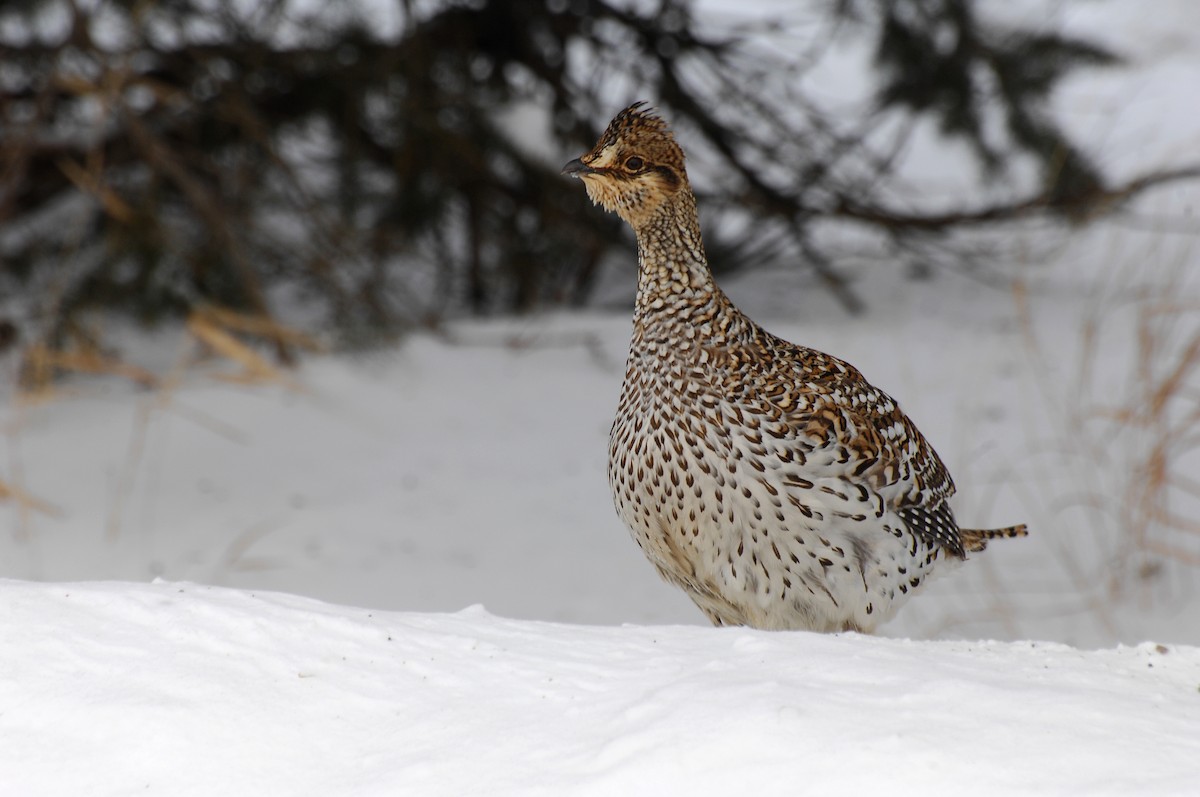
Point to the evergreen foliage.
(155, 157)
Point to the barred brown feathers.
(770, 481)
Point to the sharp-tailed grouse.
(772, 482)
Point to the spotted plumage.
(770, 481)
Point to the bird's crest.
(637, 128)
(634, 121)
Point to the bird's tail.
(975, 540)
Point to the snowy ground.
(447, 473)
(188, 690)
(469, 469)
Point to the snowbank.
(116, 688)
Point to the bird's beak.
(577, 168)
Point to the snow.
(471, 469)
(181, 689)
(468, 468)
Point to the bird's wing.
(827, 404)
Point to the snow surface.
(182, 689)
(471, 469)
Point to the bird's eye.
(634, 163)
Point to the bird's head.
(636, 167)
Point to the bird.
(770, 481)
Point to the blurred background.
(294, 297)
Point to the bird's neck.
(673, 272)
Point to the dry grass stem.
(259, 326)
(26, 502)
(213, 331)
(41, 365)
